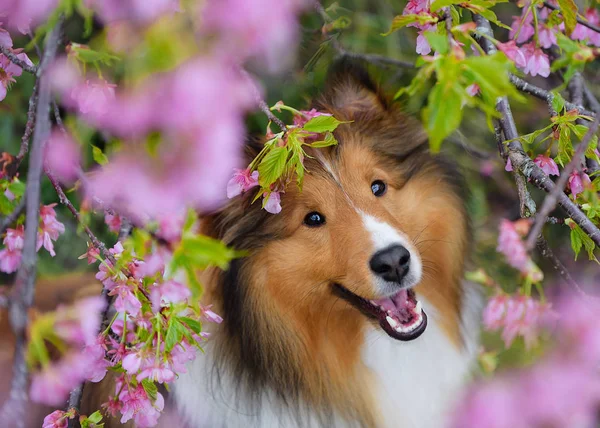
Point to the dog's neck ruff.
(415, 383)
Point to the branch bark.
(13, 410)
(17, 61)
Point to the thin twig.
(13, 410)
(551, 199)
(583, 22)
(8, 53)
(262, 104)
(547, 252)
(542, 94)
(12, 217)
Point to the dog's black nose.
(391, 264)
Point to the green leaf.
(340, 23)
(328, 141)
(173, 336)
(98, 156)
(201, 251)
(576, 242)
(95, 417)
(438, 4)
(565, 146)
(321, 124)
(194, 325)
(568, 8)
(443, 113)
(438, 42)
(401, 21)
(272, 166)
(150, 388)
(17, 188)
(558, 102)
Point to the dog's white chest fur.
(416, 381)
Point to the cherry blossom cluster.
(49, 230)
(9, 70)
(561, 390)
(286, 155)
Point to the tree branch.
(551, 199)
(12, 217)
(7, 52)
(13, 410)
(519, 160)
(581, 21)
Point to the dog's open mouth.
(400, 316)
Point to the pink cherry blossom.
(523, 318)
(132, 362)
(300, 120)
(157, 371)
(514, 53)
(209, 315)
(583, 33)
(242, 181)
(139, 11)
(137, 405)
(126, 300)
(537, 61)
(113, 221)
(473, 89)
(24, 15)
(169, 292)
(414, 7)
(547, 164)
(547, 37)
(97, 366)
(423, 47)
(182, 353)
(578, 182)
(62, 156)
(169, 227)
(93, 98)
(273, 203)
(118, 328)
(5, 39)
(9, 70)
(511, 245)
(56, 419)
(50, 228)
(10, 260)
(14, 238)
(525, 23)
(494, 312)
(79, 324)
(508, 167)
(52, 384)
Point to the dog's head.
(377, 218)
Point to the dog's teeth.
(419, 307)
(392, 322)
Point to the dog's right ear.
(349, 90)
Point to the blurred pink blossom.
(62, 156)
(423, 47)
(56, 419)
(300, 120)
(113, 221)
(10, 257)
(92, 98)
(157, 371)
(473, 89)
(169, 292)
(138, 11)
(578, 182)
(494, 312)
(508, 167)
(9, 70)
(547, 37)
(583, 33)
(547, 164)
(138, 406)
(525, 24)
(209, 315)
(511, 245)
(262, 29)
(242, 181)
(24, 15)
(52, 384)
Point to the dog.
(350, 308)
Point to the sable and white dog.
(350, 309)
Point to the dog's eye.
(378, 188)
(314, 219)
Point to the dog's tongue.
(399, 305)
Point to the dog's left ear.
(350, 91)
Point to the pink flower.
(97, 365)
(209, 315)
(414, 7)
(273, 203)
(10, 260)
(537, 61)
(5, 39)
(62, 156)
(92, 254)
(510, 244)
(9, 70)
(182, 353)
(56, 419)
(137, 405)
(486, 168)
(52, 385)
(547, 37)
(423, 47)
(112, 406)
(583, 33)
(514, 53)
(126, 300)
(139, 11)
(547, 165)
(578, 182)
(473, 89)
(169, 292)
(242, 181)
(23, 15)
(170, 227)
(93, 99)
(523, 318)
(80, 323)
(526, 26)
(157, 372)
(50, 228)
(113, 221)
(14, 238)
(300, 120)
(494, 312)
(132, 362)
(508, 167)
